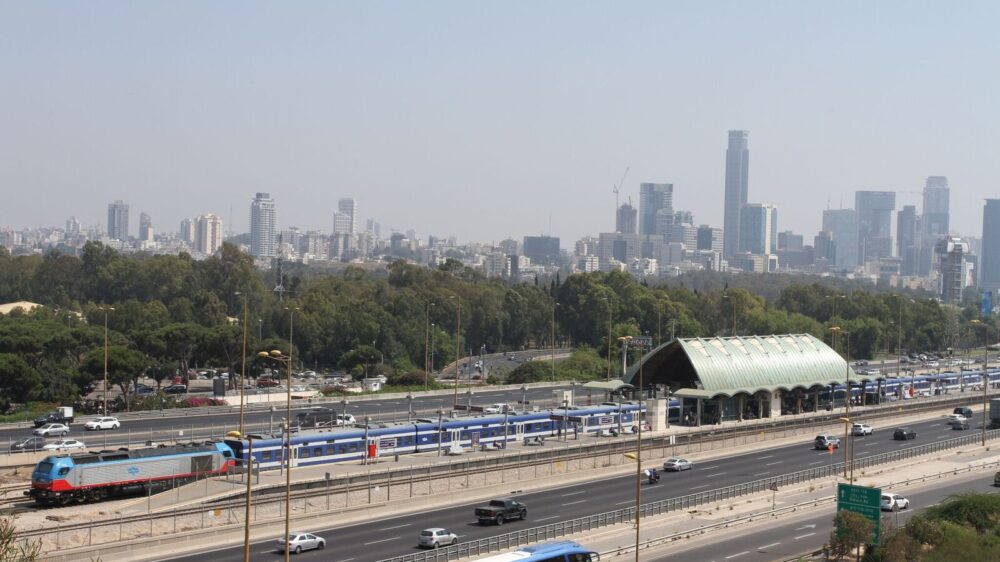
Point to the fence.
(573, 526)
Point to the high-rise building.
(542, 249)
(341, 223)
(118, 220)
(145, 228)
(824, 247)
(842, 224)
(758, 228)
(907, 239)
(348, 206)
(788, 240)
(73, 227)
(989, 270)
(263, 226)
(710, 238)
(935, 220)
(952, 252)
(737, 183)
(656, 208)
(625, 221)
(188, 230)
(208, 234)
(874, 223)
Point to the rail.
(591, 522)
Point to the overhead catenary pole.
(288, 438)
(243, 367)
(458, 348)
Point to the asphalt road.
(375, 540)
(137, 431)
(783, 541)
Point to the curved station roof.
(714, 367)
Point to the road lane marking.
(619, 503)
(768, 545)
(696, 487)
(710, 467)
(715, 474)
(383, 540)
(773, 463)
(817, 462)
(573, 503)
(737, 554)
(762, 473)
(395, 527)
(345, 560)
(804, 536)
(575, 493)
(554, 517)
(765, 457)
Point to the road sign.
(864, 501)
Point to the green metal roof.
(726, 366)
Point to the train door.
(294, 461)
(456, 438)
(518, 432)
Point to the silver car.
(433, 538)
(676, 465)
(297, 542)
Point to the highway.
(800, 535)
(395, 536)
(137, 431)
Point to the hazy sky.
(483, 120)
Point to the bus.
(558, 551)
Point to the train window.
(330, 450)
(64, 471)
(354, 448)
(265, 456)
(304, 452)
(227, 454)
(317, 451)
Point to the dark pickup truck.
(499, 511)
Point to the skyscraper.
(874, 223)
(907, 239)
(542, 249)
(145, 228)
(625, 221)
(656, 208)
(936, 205)
(349, 207)
(208, 234)
(842, 224)
(263, 229)
(737, 183)
(709, 238)
(188, 230)
(118, 220)
(758, 227)
(951, 252)
(990, 260)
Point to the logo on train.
(133, 470)
(606, 420)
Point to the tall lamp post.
(246, 517)
(625, 340)
(638, 459)
(106, 309)
(553, 342)
(733, 302)
(986, 377)
(427, 332)
(607, 300)
(243, 368)
(458, 346)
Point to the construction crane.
(617, 188)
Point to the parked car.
(862, 429)
(677, 465)
(297, 542)
(176, 389)
(102, 423)
(27, 444)
(265, 382)
(64, 445)
(826, 441)
(52, 430)
(904, 433)
(433, 538)
(893, 502)
(498, 408)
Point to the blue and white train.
(922, 385)
(426, 435)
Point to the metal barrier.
(563, 528)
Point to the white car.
(677, 465)
(862, 429)
(64, 445)
(52, 430)
(297, 542)
(102, 423)
(893, 502)
(497, 408)
(952, 418)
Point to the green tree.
(850, 531)
(18, 381)
(125, 366)
(12, 547)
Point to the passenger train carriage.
(61, 479)
(344, 444)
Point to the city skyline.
(109, 104)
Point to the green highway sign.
(864, 501)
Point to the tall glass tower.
(263, 233)
(737, 182)
(118, 220)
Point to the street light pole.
(608, 378)
(986, 377)
(288, 437)
(106, 309)
(243, 368)
(458, 348)
(553, 342)
(638, 462)
(246, 517)
(427, 335)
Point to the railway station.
(750, 377)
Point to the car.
(894, 502)
(102, 423)
(862, 429)
(963, 411)
(955, 418)
(498, 408)
(435, 537)
(145, 391)
(904, 433)
(959, 424)
(176, 389)
(677, 465)
(27, 444)
(64, 445)
(265, 382)
(297, 542)
(826, 441)
(52, 430)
